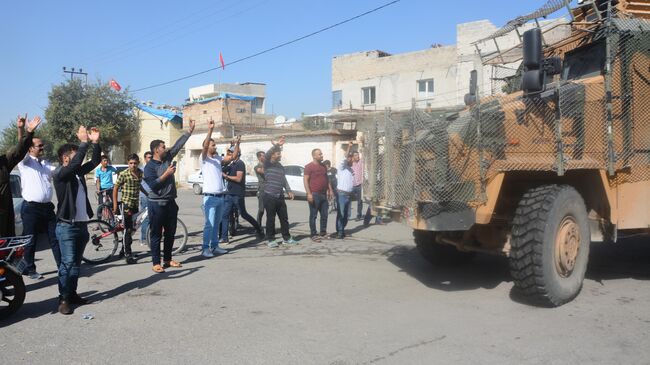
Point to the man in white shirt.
(345, 178)
(213, 192)
(37, 211)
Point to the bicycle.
(104, 239)
(105, 209)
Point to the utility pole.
(72, 72)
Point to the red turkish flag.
(115, 85)
(223, 65)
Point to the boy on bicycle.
(130, 180)
(103, 182)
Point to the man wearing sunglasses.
(37, 210)
(7, 162)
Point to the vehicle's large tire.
(550, 244)
(439, 254)
(12, 291)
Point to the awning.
(167, 114)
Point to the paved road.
(369, 299)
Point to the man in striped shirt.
(276, 182)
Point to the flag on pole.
(115, 85)
(223, 64)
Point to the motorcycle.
(12, 286)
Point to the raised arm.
(97, 152)
(206, 141)
(16, 154)
(277, 146)
(181, 142)
(226, 159)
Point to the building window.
(425, 88)
(337, 99)
(368, 95)
(257, 105)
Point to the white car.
(196, 180)
(16, 194)
(295, 175)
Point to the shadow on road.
(483, 271)
(50, 306)
(627, 259)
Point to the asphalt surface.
(368, 299)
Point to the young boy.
(130, 180)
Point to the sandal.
(171, 263)
(158, 269)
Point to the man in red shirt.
(318, 191)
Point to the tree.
(8, 137)
(72, 104)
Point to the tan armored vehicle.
(556, 156)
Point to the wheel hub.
(567, 246)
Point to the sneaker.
(315, 238)
(34, 275)
(272, 244)
(207, 253)
(290, 241)
(130, 260)
(325, 236)
(224, 242)
(219, 251)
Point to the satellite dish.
(280, 120)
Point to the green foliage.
(72, 104)
(315, 124)
(8, 137)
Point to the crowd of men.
(154, 187)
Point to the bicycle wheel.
(180, 239)
(107, 214)
(102, 243)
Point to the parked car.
(196, 180)
(16, 194)
(119, 169)
(295, 175)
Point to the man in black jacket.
(7, 163)
(73, 212)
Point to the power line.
(272, 48)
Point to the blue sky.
(141, 43)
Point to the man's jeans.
(213, 209)
(343, 213)
(144, 203)
(72, 241)
(39, 218)
(238, 202)
(319, 205)
(162, 215)
(260, 207)
(276, 205)
(356, 192)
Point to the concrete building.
(252, 89)
(163, 122)
(435, 77)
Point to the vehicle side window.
(14, 182)
(292, 170)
